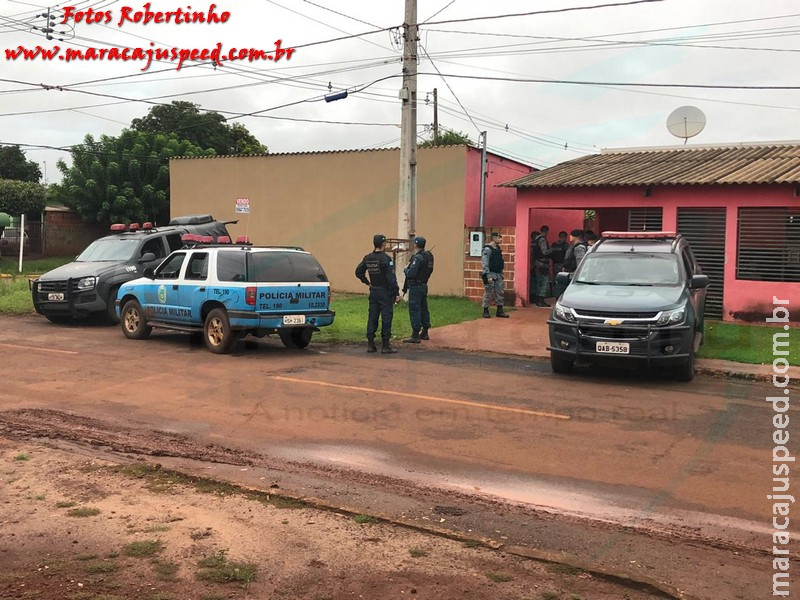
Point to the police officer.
(540, 268)
(417, 273)
(492, 275)
(576, 250)
(383, 293)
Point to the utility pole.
(407, 204)
(435, 117)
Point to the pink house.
(739, 207)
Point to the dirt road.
(610, 473)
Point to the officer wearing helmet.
(418, 271)
(383, 293)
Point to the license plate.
(56, 296)
(613, 347)
(294, 319)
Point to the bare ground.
(282, 549)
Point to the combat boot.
(424, 335)
(414, 339)
(501, 313)
(486, 314)
(387, 348)
(371, 347)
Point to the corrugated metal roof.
(777, 162)
(309, 152)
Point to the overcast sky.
(508, 76)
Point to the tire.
(560, 365)
(133, 322)
(296, 338)
(59, 319)
(217, 332)
(685, 372)
(111, 308)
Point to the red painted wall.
(499, 202)
(741, 297)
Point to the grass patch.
(473, 544)
(101, 567)
(747, 343)
(83, 512)
(143, 549)
(22, 457)
(219, 569)
(65, 504)
(417, 552)
(563, 569)
(350, 324)
(156, 529)
(288, 503)
(10, 265)
(364, 519)
(550, 596)
(499, 577)
(165, 571)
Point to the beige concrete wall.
(331, 204)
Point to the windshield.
(629, 269)
(109, 250)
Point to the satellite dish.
(686, 122)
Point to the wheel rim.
(131, 320)
(216, 332)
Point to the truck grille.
(56, 286)
(602, 314)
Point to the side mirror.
(149, 272)
(563, 278)
(147, 257)
(698, 282)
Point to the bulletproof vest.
(377, 263)
(496, 261)
(537, 250)
(426, 268)
(571, 263)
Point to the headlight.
(87, 283)
(564, 313)
(671, 317)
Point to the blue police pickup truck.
(225, 292)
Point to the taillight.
(250, 296)
(330, 297)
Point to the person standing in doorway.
(558, 251)
(492, 275)
(540, 254)
(383, 293)
(576, 251)
(417, 273)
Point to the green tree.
(14, 165)
(18, 197)
(203, 129)
(125, 178)
(448, 138)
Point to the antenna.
(686, 122)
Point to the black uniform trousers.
(418, 307)
(381, 304)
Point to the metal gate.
(645, 218)
(705, 230)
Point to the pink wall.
(500, 202)
(743, 299)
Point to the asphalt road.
(609, 452)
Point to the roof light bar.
(133, 227)
(242, 239)
(223, 239)
(638, 235)
(147, 225)
(118, 227)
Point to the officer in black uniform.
(417, 273)
(383, 293)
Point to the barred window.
(768, 244)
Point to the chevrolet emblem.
(613, 322)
